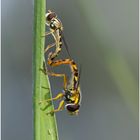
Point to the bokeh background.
(103, 38)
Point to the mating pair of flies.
(71, 95)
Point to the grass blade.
(44, 125)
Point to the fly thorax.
(68, 96)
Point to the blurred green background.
(103, 37)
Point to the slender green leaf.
(44, 125)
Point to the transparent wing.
(65, 44)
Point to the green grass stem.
(45, 127)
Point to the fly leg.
(59, 96)
(49, 46)
(60, 108)
(55, 74)
(47, 33)
(59, 75)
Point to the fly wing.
(67, 49)
(65, 44)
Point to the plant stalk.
(45, 127)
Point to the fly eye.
(72, 107)
(50, 16)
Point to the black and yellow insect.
(71, 95)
